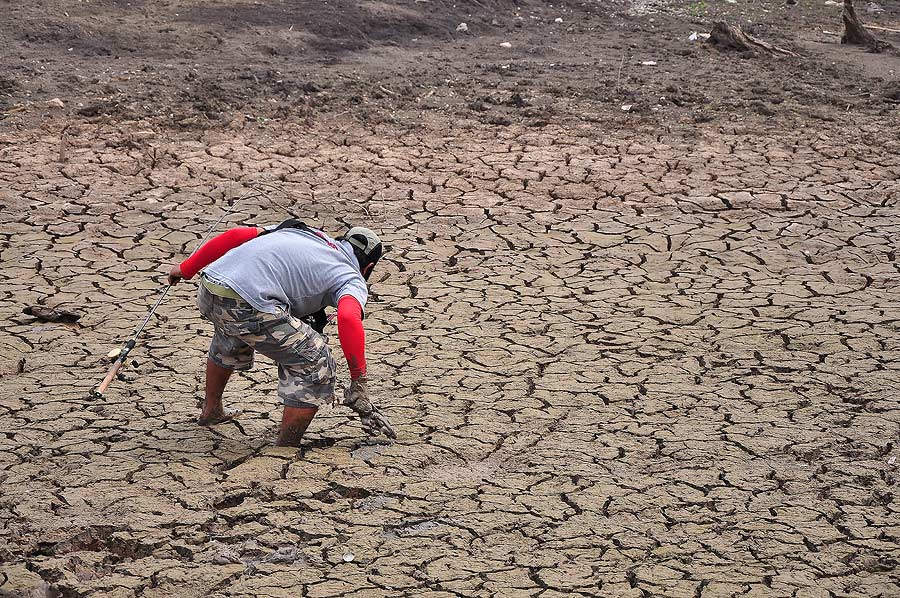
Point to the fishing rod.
(122, 353)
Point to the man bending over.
(257, 288)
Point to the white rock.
(557, 20)
(348, 558)
(56, 103)
(649, 63)
(462, 27)
(627, 107)
(506, 45)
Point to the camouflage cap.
(364, 239)
(367, 244)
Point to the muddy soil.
(637, 326)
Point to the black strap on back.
(289, 223)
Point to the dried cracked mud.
(621, 361)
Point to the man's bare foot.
(218, 416)
(294, 422)
(212, 412)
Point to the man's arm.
(211, 251)
(353, 343)
(352, 335)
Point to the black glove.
(374, 422)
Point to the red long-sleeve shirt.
(216, 248)
(351, 333)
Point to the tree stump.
(732, 37)
(856, 34)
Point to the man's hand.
(175, 275)
(374, 422)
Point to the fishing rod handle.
(109, 378)
(111, 374)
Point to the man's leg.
(294, 422)
(226, 352)
(212, 411)
(305, 373)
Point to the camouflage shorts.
(305, 366)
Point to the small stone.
(56, 103)
(649, 63)
(348, 558)
(462, 28)
(627, 107)
(505, 45)
(557, 20)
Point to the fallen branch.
(887, 29)
(856, 34)
(732, 37)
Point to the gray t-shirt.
(291, 269)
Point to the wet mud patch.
(304, 25)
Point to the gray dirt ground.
(647, 353)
